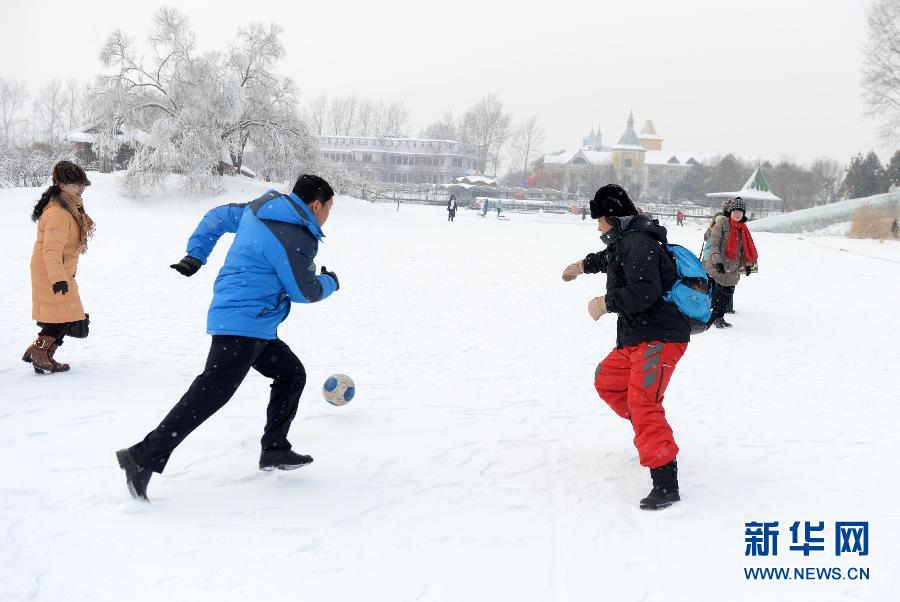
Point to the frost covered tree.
(269, 119)
(357, 116)
(365, 120)
(202, 110)
(50, 109)
(486, 125)
(827, 174)
(317, 113)
(395, 119)
(881, 67)
(526, 142)
(795, 184)
(77, 101)
(13, 96)
(30, 141)
(442, 129)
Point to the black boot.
(137, 478)
(282, 459)
(665, 488)
(719, 322)
(725, 324)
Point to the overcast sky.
(769, 78)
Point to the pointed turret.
(629, 136)
(649, 138)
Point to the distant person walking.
(63, 230)
(451, 208)
(731, 251)
(583, 213)
(679, 218)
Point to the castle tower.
(628, 159)
(649, 138)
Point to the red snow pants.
(632, 380)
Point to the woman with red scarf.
(731, 252)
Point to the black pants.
(57, 331)
(722, 299)
(230, 359)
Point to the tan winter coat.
(55, 258)
(733, 267)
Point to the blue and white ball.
(338, 389)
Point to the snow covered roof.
(76, 136)
(755, 189)
(88, 135)
(597, 157)
(475, 181)
(465, 186)
(560, 158)
(673, 158)
(395, 138)
(587, 156)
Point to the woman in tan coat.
(62, 234)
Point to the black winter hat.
(737, 205)
(612, 200)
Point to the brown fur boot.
(40, 355)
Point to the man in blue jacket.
(269, 266)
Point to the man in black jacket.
(652, 334)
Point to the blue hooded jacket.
(270, 264)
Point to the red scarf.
(740, 229)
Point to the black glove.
(187, 266)
(748, 269)
(595, 262)
(333, 275)
(720, 267)
(60, 287)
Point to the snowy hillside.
(476, 462)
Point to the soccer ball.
(338, 389)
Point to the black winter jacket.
(638, 272)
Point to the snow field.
(476, 462)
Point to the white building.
(402, 160)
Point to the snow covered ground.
(476, 462)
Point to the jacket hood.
(290, 209)
(632, 223)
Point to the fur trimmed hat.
(66, 172)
